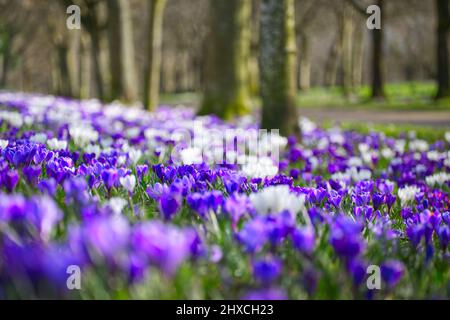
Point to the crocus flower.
(267, 270)
(275, 199)
(163, 245)
(10, 179)
(128, 182)
(32, 173)
(346, 238)
(169, 203)
(304, 239)
(391, 272)
(101, 239)
(253, 235)
(444, 236)
(236, 206)
(110, 177)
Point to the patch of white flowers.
(55, 144)
(418, 145)
(276, 199)
(3, 143)
(39, 138)
(128, 182)
(83, 134)
(116, 204)
(407, 194)
(258, 167)
(15, 119)
(437, 179)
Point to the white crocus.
(83, 134)
(276, 199)
(3, 143)
(15, 119)
(117, 204)
(39, 138)
(437, 178)
(128, 182)
(387, 153)
(135, 155)
(447, 136)
(418, 145)
(257, 167)
(407, 194)
(93, 148)
(56, 144)
(191, 156)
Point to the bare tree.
(121, 49)
(152, 74)
(226, 91)
(277, 66)
(443, 15)
(377, 51)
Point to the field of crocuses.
(99, 189)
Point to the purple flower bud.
(304, 240)
(444, 236)
(32, 173)
(10, 179)
(253, 235)
(48, 186)
(267, 270)
(392, 271)
(110, 178)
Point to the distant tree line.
(231, 50)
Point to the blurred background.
(109, 57)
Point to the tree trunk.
(227, 81)
(277, 66)
(6, 60)
(347, 46)
(121, 48)
(64, 87)
(85, 68)
(443, 27)
(357, 58)
(153, 72)
(73, 61)
(114, 42)
(305, 63)
(96, 61)
(332, 63)
(253, 67)
(377, 59)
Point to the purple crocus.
(391, 272)
(346, 238)
(253, 235)
(110, 178)
(304, 240)
(444, 236)
(236, 206)
(10, 179)
(267, 270)
(163, 245)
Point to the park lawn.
(400, 96)
(427, 133)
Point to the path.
(426, 118)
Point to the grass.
(426, 133)
(400, 96)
